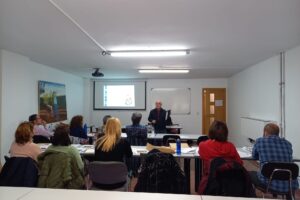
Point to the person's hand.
(153, 121)
(44, 123)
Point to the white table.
(68, 194)
(138, 150)
(7, 193)
(160, 136)
(203, 197)
(123, 135)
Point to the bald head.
(158, 104)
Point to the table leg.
(187, 172)
(198, 172)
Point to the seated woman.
(61, 165)
(111, 147)
(23, 145)
(78, 132)
(217, 146)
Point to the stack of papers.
(244, 152)
(189, 150)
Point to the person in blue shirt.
(272, 148)
(136, 133)
(78, 131)
(136, 136)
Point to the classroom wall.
(192, 123)
(1, 162)
(255, 92)
(19, 92)
(293, 98)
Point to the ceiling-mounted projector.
(97, 73)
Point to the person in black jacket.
(157, 117)
(160, 173)
(19, 172)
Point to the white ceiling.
(225, 36)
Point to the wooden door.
(213, 107)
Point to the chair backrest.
(107, 172)
(167, 138)
(20, 172)
(280, 170)
(202, 138)
(40, 139)
(228, 178)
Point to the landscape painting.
(52, 101)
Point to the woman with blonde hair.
(111, 147)
(23, 145)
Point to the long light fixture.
(146, 53)
(164, 71)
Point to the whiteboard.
(178, 100)
(252, 127)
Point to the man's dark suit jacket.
(160, 118)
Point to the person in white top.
(39, 126)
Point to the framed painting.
(52, 101)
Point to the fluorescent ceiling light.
(164, 71)
(150, 53)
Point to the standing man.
(157, 117)
(272, 148)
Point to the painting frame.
(52, 101)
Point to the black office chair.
(201, 138)
(123, 130)
(40, 139)
(198, 163)
(108, 175)
(281, 172)
(167, 139)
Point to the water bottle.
(178, 146)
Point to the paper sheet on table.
(89, 151)
(183, 145)
(139, 151)
(189, 150)
(244, 154)
(44, 146)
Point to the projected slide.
(118, 96)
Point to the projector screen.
(119, 95)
